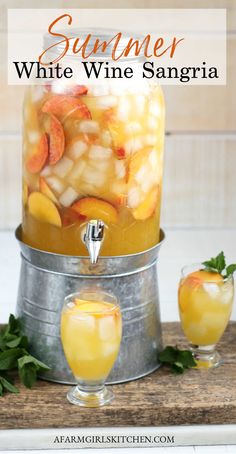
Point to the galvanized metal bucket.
(46, 279)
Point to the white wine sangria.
(92, 152)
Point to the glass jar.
(92, 152)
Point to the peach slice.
(56, 140)
(147, 207)
(25, 193)
(45, 189)
(197, 278)
(37, 160)
(61, 106)
(70, 217)
(43, 209)
(137, 161)
(93, 208)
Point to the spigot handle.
(93, 238)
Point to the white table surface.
(182, 246)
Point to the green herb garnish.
(14, 354)
(178, 360)
(218, 265)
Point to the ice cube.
(227, 294)
(99, 90)
(107, 329)
(33, 136)
(142, 174)
(106, 138)
(77, 149)
(140, 104)
(133, 127)
(109, 348)
(68, 197)
(89, 126)
(123, 109)
(100, 165)
(99, 152)
(37, 93)
(155, 109)
(106, 102)
(120, 169)
(211, 289)
(146, 185)
(63, 167)
(133, 145)
(153, 159)
(152, 123)
(150, 139)
(134, 197)
(93, 177)
(55, 184)
(119, 188)
(77, 170)
(88, 322)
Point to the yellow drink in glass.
(205, 305)
(91, 329)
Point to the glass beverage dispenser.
(92, 180)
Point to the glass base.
(90, 397)
(206, 356)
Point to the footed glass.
(91, 329)
(205, 304)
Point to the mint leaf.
(177, 368)
(21, 341)
(218, 265)
(220, 262)
(168, 355)
(185, 357)
(178, 360)
(8, 358)
(8, 385)
(230, 269)
(30, 359)
(14, 354)
(28, 374)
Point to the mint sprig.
(14, 354)
(178, 360)
(218, 265)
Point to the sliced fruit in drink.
(45, 189)
(93, 208)
(69, 217)
(43, 209)
(137, 162)
(37, 160)
(146, 208)
(198, 278)
(56, 140)
(61, 106)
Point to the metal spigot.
(93, 238)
